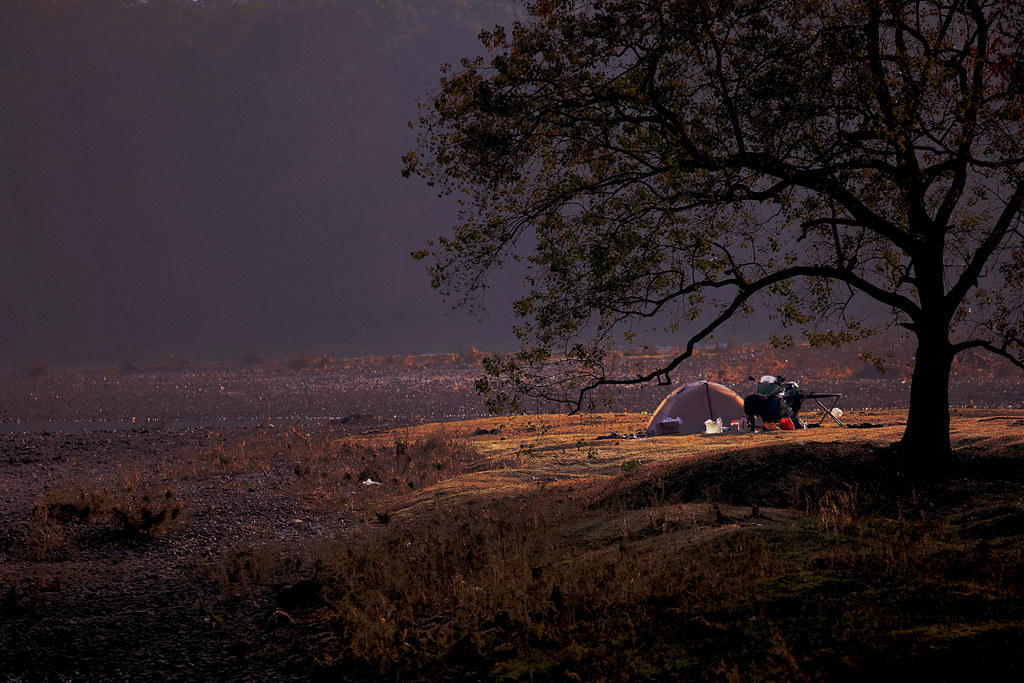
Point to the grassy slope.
(786, 556)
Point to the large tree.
(675, 164)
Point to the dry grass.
(136, 509)
(543, 553)
(328, 467)
(536, 551)
(230, 456)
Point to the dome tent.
(691, 405)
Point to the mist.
(217, 179)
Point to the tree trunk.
(925, 446)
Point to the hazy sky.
(225, 181)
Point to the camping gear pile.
(776, 402)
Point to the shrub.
(145, 516)
(83, 508)
(46, 536)
(227, 456)
(136, 511)
(328, 466)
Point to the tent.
(692, 404)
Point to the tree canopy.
(673, 165)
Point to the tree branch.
(746, 291)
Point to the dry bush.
(81, 507)
(144, 514)
(322, 470)
(136, 509)
(231, 456)
(51, 521)
(46, 538)
(416, 462)
(245, 570)
(329, 468)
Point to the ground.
(355, 523)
